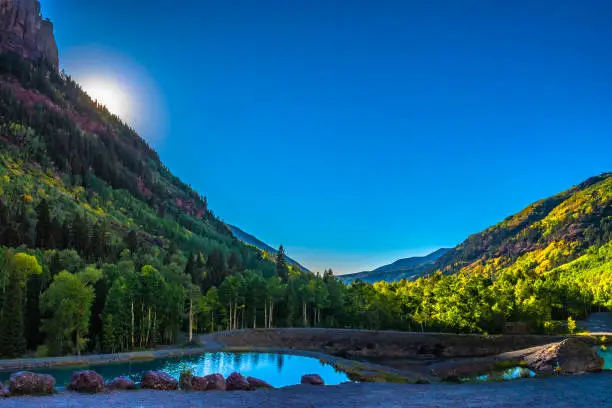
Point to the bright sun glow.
(109, 93)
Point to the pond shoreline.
(356, 370)
(299, 342)
(95, 359)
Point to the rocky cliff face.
(23, 30)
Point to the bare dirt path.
(589, 390)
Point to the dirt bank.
(388, 344)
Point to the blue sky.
(358, 132)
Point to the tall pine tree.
(43, 226)
(282, 270)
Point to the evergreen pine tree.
(43, 226)
(282, 271)
(131, 241)
(12, 340)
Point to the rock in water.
(158, 380)
(236, 382)
(121, 383)
(86, 381)
(570, 356)
(28, 383)
(256, 383)
(216, 382)
(4, 391)
(312, 379)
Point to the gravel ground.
(597, 322)
(591, 390)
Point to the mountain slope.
(544, 235)
(60, 147)
(262, 246)
(406, 268)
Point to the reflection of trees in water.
(255, 359)
(278, 369)
(236, 358)
(280, 362)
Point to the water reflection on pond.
(504, 375)
(277, 369)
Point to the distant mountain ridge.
(262, 246)
(406, 268)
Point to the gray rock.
(86, 381)
(236, 382)
(312, 379)
(189, 382)
(121, 383)
(158, 380)
(256, 383)
(570, 356)
(28, 383)
(216, 382)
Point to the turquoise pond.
(607, 356)
(503, 375)
(277, 369)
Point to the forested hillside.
(262, 246)
(87, 205)
(548, 232)
(103, 249)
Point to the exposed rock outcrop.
(121, 383)
(86, 381)
(312, 379)
(216, 382)
(237, 382)
(23, 30)
(28, 383)
(570, 356)
(158, 380)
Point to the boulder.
(216, 382)
(28, 383)
(256, 383)
(236, 382)
(4, 391)
(312, 379)
(570, 356)
(189, 382)
(158, 380)
(199, 383)
(86, 381)
(121, 383)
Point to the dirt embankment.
(384, 344)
